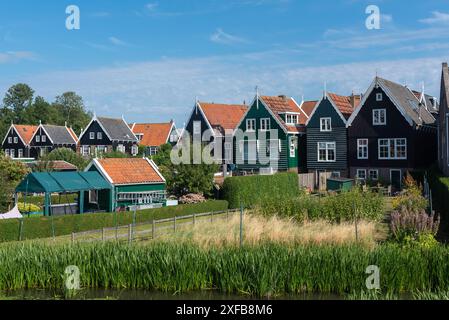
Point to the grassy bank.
(262, 270)
(43, 227)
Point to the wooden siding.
(12, 133)
(337, 135)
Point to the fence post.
(20, 229)
(227, 215)
(174, 224)
(211, 217)
(102, 235)
(116, 232)
(153, 229)
(241, 225)
(355, 220)
(194, 218)
(130, 227)
(73, 237)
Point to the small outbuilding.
(136, 183)
(339, 184)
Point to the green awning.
(95, 180)
(62, 182)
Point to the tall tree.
(18, 98)
(11, 173)
(72, 110)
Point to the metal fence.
(150, 230)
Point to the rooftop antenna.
(196, 105)
(325, 90)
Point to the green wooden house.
(136, 182)
(271, 136)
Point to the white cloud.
(437, 18)
(16, 56)
(164, 89)
(152, 6)
(117, 42)
(222, 37)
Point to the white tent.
(13, 214)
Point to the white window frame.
(377, 174)
(44, 138)
(99, 135)
(379, 96)
(377, 119)
(358, 175)
(326, 124)
(294, 118)
(20, 153)
(93, 196)
(196, 127)
(395, 146)
(16, 140)
(265, 124)
(153, 151)
(7, 152)
(274, 146)
(85, 151)
(92, 135)
(250, 125)
(361, 147)
(121, 148)
(327, 148)
(12, 153)
(38, 138)
(248, 142)
(336, 174)
(134, 150)
(10, 140)
(227, 151)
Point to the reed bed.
(264, 270)
(258, 228)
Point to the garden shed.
(49, 183)
(339, 184)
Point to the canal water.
(96, 294)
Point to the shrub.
(192, 198)
(409, 226)
(345, 206)
(28, 207)
(411, 198)
(440, 191)
(41, 227)
(252, 190)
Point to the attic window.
(291, 119)
(379, 97)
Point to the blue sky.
(149, 60)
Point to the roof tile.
(130, 171)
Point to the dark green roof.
(62, 182)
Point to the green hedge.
(251, 190)
(34, 228)
(440, 192)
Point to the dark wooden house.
(392, 131)
(16, 143)
(104, 135)
(153, 135)
(49, 137)
(327, 134)
(443, 122)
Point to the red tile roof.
(26, 132)
(154, 134)
(343, 103)
(223, 116)
(308, 107)
(130, 171)
(73, 134)
(282, 104)
(62, 166)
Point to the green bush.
(41, 227)
(251, 190)
(440, 192)
(334, 208)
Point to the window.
(361, 174)
(228, 151)
(173, 137)
(42, 151)
(379, 97)
(249, 150)
(92, 135)
(265, 124)
(7, 152)
(335, 174)
(250, 124)
(196, 127)
(20, 153)
(12, 153)
(326, 151)
(93, 196)
(99, 135)
(325, 124)
(9, 140)
(44, 138)
(273, 149)
(16, 140)
(292, 148)
(362, 148)
(134, 150)
(121, 148)
(373, 175)
(392, 149)
(379, 117)
(153, 151)
(291, 119)
(85, 151)
(38, 138)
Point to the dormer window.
(44, 138)
(92, 135)
(325, 124)
(16, 140)
(38, 138)
(99, 136)
(291, 119)
(379, 97)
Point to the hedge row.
(34, 228)
(440, 192)
(250, 190)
